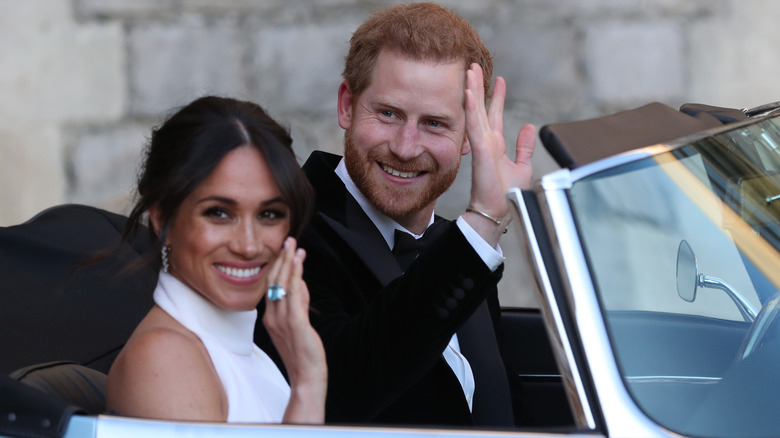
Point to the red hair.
(419, 31)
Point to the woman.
(224, 194)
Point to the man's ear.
(466, 146)
(345, 105)
(155, 219)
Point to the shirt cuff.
(493, 257)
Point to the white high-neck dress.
(256, 390)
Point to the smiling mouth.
(398, 173)
(239, 273)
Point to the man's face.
(405, 134)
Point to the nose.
(406, 142)
(245, 241)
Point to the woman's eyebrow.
(273, 201)
(231, 201)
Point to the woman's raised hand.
(299, 345)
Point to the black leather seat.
(75, 385)
(57, 306)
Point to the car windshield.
(683, 248)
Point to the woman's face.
(228, 231)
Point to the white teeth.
(398, 173)
(239, 273)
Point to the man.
(416, 344)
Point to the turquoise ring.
(276, 292)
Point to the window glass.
(699, 359)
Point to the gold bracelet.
(483, 214)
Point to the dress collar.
(233, 329)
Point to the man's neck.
(386, 225)
(418, 222)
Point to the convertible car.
(655, 250)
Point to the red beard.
(395, 201)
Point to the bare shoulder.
(164, 371)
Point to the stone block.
(299, 68)
(712, 47)
(232, 5)
(539, 64)
(728, 68)
(33, 176)
(87, 9)
(599, 9)
(470, 9)
(172, 64)
(314, 132)
(104, 164)
(631, 62)
(57, 70)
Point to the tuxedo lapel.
(492, 401)
(363, 238)
(339, 210)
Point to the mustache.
(423, 163)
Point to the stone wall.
(84, 80)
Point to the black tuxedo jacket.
(384, 331)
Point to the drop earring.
(166, 266)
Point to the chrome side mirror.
(689, 279)
(687, 272)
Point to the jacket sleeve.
(381, 340)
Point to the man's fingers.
(496, 111)
(474, 79)
(526, 143)
(477, 121)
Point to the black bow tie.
(407, 248)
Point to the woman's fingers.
(279, 275)
(286, 313)
(301, 292)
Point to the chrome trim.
(124, 427)
(81, 426)
(746, 309)
(564, 356)
(674, 379)
(559, 180)
(620, 160)
(563, 179)
(761, 109)
(621, 415)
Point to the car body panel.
(106, 426)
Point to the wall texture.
(84, 80)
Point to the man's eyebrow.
(381, 101)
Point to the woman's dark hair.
(190, 144)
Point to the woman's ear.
(155, 219)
